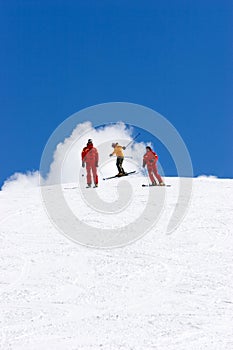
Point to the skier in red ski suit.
(90, 156)
(150, 159)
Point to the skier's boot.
(154, 183)
(88, 186)
(96, 185)
(162, 184)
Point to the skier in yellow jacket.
(118, 151)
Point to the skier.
(90, 156)
(118, 151)
(150, 159)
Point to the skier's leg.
(88, 168)
(94, 173)
(158, 177)
(119, 165)
(151, 176)
(122, 166)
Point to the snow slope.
(172, 292)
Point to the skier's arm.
(156, 156)
(144, 162)
(96, 158)
(83, 154)
(112, 154)
(83, 157)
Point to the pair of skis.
(113, 177)
(155, 185)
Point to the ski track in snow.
(172, 292)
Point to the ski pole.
(144, 172)
(132, 140)
(100, 172)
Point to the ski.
(155, 186)
(113, 177)
(70, 188)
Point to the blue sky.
(58, 57)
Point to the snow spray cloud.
(58, 167)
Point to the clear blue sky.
(58, 57)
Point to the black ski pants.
(119, 163)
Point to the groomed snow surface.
(169, 292)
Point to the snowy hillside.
(162, 292)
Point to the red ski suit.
(90, 156)
(150, 159)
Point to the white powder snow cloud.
(19, 181)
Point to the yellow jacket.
(118, 151)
